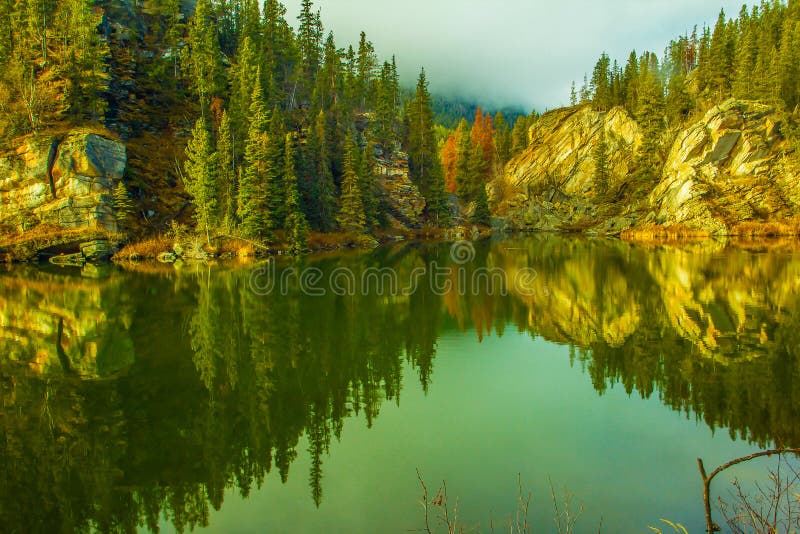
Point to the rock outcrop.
(59, 187)
(733, 166)
(404, 200)
(728, 168)
(551, 186)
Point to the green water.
(201, 398)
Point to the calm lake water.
(304, 397)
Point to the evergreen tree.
(201, 177)
(322, 189)
(424, 163)
(502, 140)
(244, 75)
(351, 216)
(296, 223)
(366, 63)
(273, 173)
(204, 61)
(309, 43)
(368, 184)
(573, 95)
(252, 209)
(720, 59)
(601, 84)
(481, 215)
(650, 113)
(226, 176)
(465, 183)
(386, 111)
(519, 136)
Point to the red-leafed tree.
(483, 136)
(449, 163)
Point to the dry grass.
(149, 249)
(234, 246)
(654, 232)
(780, 228)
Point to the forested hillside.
(265, 126)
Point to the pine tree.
(273, 173)
(204, 57)
(464, 180)
(573, 95)
(201, 177)
(309, 43)
(296, 223)
(322, 191)
(368, 184)
(424, 163)
(386, 111)
(252, 209)
(502, 140)
(351, 216)
(720, 59)
(519, 136)
(650, 113)
(226, 176)
(244, 74)
(601, 84)
(481, 215)
(366, 63)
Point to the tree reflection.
(188, 384)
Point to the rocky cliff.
(733, 166)
(56, 191)
(404, 200)
(551, 185)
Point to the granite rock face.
(733, 166)
(728, 168)
(61, 185)
(550, 185)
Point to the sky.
(511, 52)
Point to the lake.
(307, 396)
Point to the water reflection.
(142, 394)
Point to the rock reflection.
(137, 396)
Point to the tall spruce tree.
(204, 57)
(201, 177)
(252, 209)
(351, 216)
(296, 223)
(273, 172)
(226, 175)
(424, 163)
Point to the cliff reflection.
(139, 396)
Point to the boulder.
(61, 186)
(97, 250)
